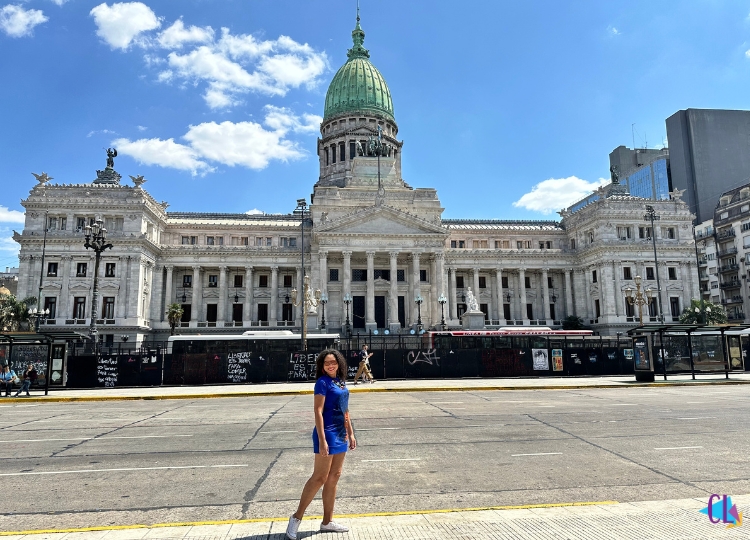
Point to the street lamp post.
(651, 216)
(38, 315)
(308, 300)
(442, 301)
(96, 239)
(347, 302)
(418, 300)
(323, 302)
(639, 299)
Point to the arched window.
(326, 152)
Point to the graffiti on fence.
(302, 366)
(429, 357)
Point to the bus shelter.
(46, 351)
(692, 348)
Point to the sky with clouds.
(508, 109)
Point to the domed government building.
(372, 245)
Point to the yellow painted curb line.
(261, 520)
(54, 399)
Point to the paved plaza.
(591, 458)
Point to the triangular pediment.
(381, 220)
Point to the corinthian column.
(223, 292)
(393, 323)
(417, 286)
(273, 316)
(196, 300)
(522, 289)
(167, 290)
(545, 293)
(370, 323)
(247, 309)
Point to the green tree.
(174, 316)
(703, 312)
(14, 313)
(571, 322)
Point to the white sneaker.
(332, 526)
(293, 527)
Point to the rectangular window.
(50, 304)
(259, 241)
(108, 307)
(237, 313)
(238, 280)
(672, 272)
(325, 150)
(527, 282)
(597, 309)
(627, 273)
(593, 276)
(506, 311)
(519, 244)
(400, 275)
(263, 312)
(479, 244)
(80, 224)
(79, 307)
(459, 282)
(342, 152)
(546, 244)
(623, 233)
(213, 280)
(482, 282)
(51, 223)
(644, 232)
(383, 274)
(263, 281)
(670, 233)
(506, 244)
(52, 269)
(333, 274)
(287, 281)
(629, 309)
(81, 269)
(211, 313)
(333, 153)
(209, 240)
(423, 275)
(269, 241)
(220, 239)
(650, 272)
(286, 311)
(109, 269)
(461, 244)
(498, 244)
(358, 274)
(185, 240)
(552, 312)
(454, 244)
(352, 150)
(187, 280)
(572, 243)
(550, 283)
(530, 311)
(504, 280)
(674, 306)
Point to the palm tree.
(174, 315)
(13, 312)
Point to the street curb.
(55, 399)
(282, 519)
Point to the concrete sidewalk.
(607, 520)
(407, 385)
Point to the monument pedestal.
(472, 320)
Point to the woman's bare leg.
(329, 488)
(318, 479)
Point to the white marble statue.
(471, 301)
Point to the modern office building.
(373, 245)
(708, 152)
(645, 172)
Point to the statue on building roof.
(111, 155)
(42, 178)
(615, 173)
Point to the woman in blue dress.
(332, 436)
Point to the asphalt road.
(128, 462)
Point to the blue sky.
(508, 109)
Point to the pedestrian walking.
(7, 378)
(332, 435)
(29, 376)
(364, 366)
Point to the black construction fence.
(395, 357)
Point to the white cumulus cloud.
(255, 212)
(18, 22)
(613, 31)
(554, 194)
(11, 216)
(245, 144)
(177, 35)
(59, 2)
(122, 23)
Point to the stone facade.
(367, 234)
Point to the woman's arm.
(350, 431)
(320, 400)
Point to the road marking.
(292, 431)
(392, 459)
(697, 418)
(679, 448)
(538, 454)
(306, 518)
(97, 438)
(80, 471)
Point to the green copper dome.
(358, 86)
